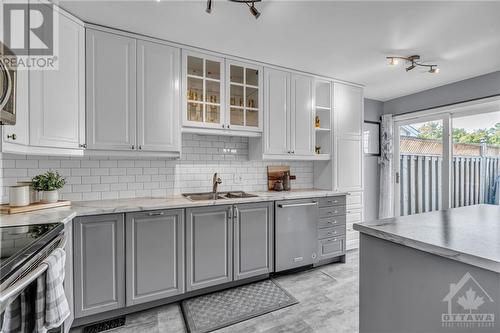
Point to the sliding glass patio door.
(447, 160)
(420, 150)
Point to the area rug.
(227, 307)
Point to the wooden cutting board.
(6, 209)
(274, 173)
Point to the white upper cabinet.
(348, 107)
(57, 108)
(277, 112)
(302, 118)
(203, 90)
(111, 91)
(244, 96)
(158, 97)
(348, 110)
(288, 118)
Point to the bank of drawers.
(331, 227)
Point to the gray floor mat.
(223, 308)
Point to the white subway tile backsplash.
(101, 177)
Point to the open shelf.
(322, 108)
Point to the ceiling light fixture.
(250, 3)
(413, 62)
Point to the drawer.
(332, 247)
(332, 201)
(331, 232)
(331, 221)
(331, 211)
(355, 199)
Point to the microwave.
(7, 87)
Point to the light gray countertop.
(467, 234)
(83, 208)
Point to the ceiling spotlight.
(209, 6)
(393, 61)
(433, 70)
(412, 61)
(254, 10)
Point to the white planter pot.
(50, 196)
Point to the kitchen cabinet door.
(244, 96)
(302, 116)
(99, 264)
(111, 91)
(253, 239)
(57, 97)
(154, 255)
(209, 232)
(19, 133)
(68, 276)
(349, 164)
(277, 112)
(203, 90)
(348, 108)
(158, 72)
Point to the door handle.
(156, 213)
(298, 205)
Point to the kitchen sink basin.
(203, 196)
(220, 195)
(238, 194)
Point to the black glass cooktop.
(18, 244)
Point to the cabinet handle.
(12, 136)
(133, 147)
(140, 147)
(156, 213)
(223, 126)
(227, 126)
(236, 212)
(293, 151)
(84, 145)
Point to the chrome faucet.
(215, 183)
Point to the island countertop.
(467, 234)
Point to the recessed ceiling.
(344, 40)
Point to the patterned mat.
(223, 308)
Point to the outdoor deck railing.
(420, 181)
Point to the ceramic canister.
(19, 195)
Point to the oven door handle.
(5, 70)
(19, 285)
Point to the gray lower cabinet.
(68, 275)
(154, 255)
(209, 239)
(253, 239)
(99, 264)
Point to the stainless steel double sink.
(218, 196)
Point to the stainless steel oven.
(7, 86)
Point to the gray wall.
(461, 91)
(373, 111)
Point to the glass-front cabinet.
(221, 93)
(244, 93)
(203, 77)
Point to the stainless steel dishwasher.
(296, 239)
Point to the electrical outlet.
(238, 179)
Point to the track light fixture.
(250, 3)
(412, 62)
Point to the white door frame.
(446, 114)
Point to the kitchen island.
(432, 272)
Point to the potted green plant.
(49, 184)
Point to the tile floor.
(328, 302)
